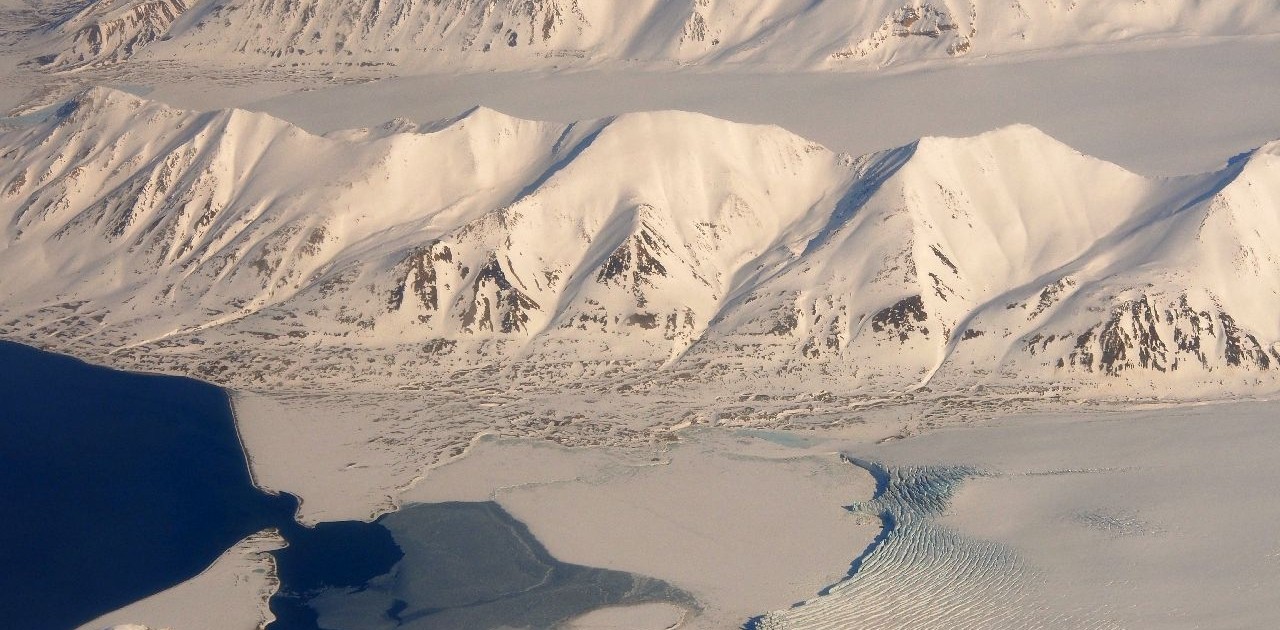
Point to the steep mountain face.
(929, 233)
(660, 241)
(110, 31)
(1190, 288)
(485, 228)
(452, 34)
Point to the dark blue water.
(441, 566)
(332, 556)
(114, 486)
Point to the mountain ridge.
(487, 34)
(660, 241)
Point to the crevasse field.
(680, 314)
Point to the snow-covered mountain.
(1009, 252)
(1186, 286)
(110, 31)
(453, 34)
(653, 240)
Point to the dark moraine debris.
(458, 565)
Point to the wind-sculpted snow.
(657, 245)
(453, 34)
(919, 574)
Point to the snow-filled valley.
(779, 314)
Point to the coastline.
(243, 579)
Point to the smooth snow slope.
(657, 240)
(539, 33)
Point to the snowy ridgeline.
(452, 34)
(240, 249)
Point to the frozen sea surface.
(117, 486)
(452, 565)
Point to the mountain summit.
(655, 240)
(486, 34)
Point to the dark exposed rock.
(902, 318)
(1140, 335)
(1051, 294)
(1240, 347)
(678, 321)
(417, 276)
(636, 261)
(648, 321)
(1187, 339)
(1127, 339)
(943, 257)
(940, 288)
(439, 346)
(925, 20)
(787, 322)
(509, 312)
(1131, 338)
